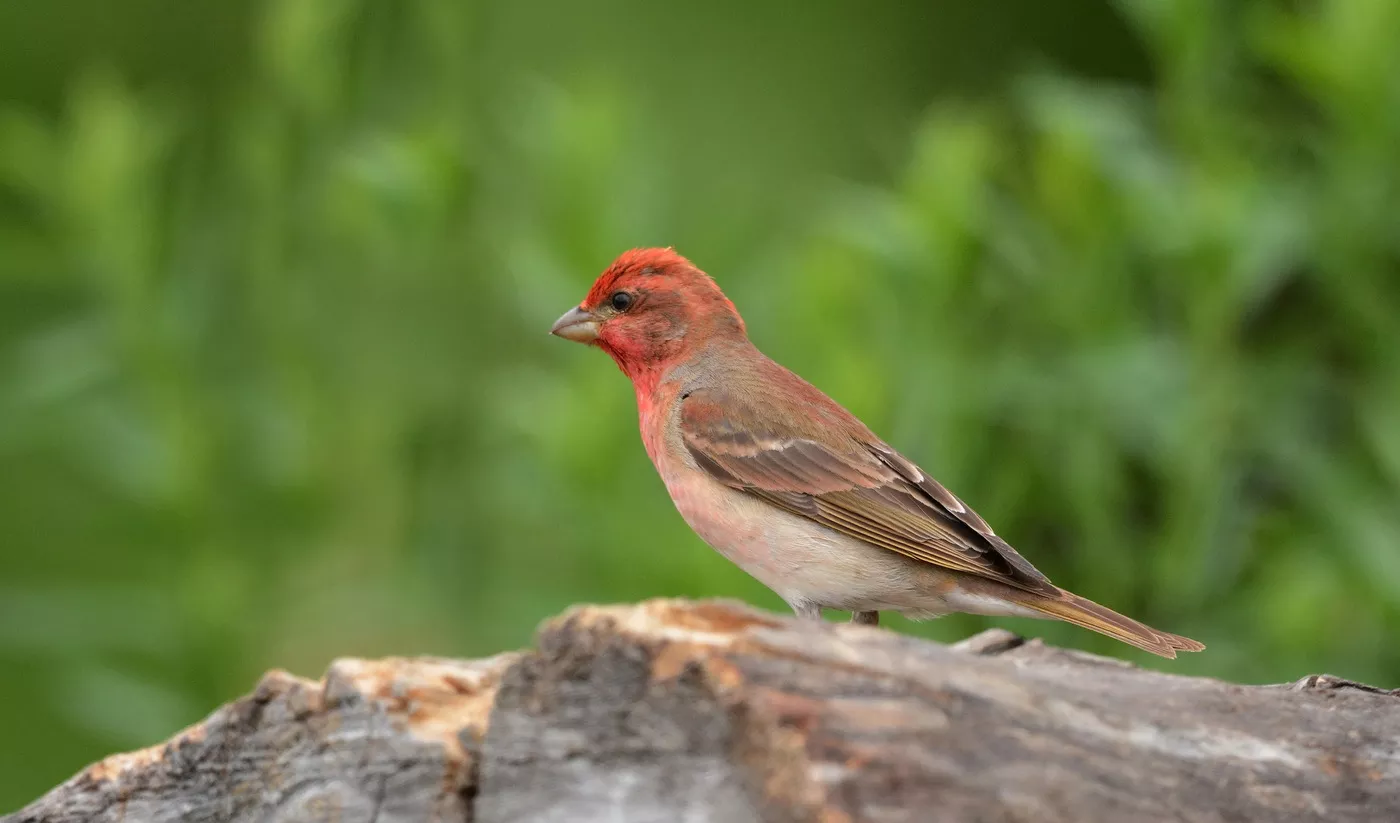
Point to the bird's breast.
(734, 523)
(801, 560)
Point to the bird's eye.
(621, 300)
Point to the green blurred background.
(275, 280)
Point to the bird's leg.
(870, 618)
(807, 611)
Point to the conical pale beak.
(577, 325)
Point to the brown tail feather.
(1087, 614)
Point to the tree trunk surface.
(686, 712)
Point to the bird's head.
(651, 308)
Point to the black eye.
(620, 300)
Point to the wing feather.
(859, 487)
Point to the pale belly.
(802, 561)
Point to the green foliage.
(275, 385)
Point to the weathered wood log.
(674, 711)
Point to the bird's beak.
(577, 325)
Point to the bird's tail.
(1087, 614)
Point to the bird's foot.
(871, 618)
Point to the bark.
(674, 711)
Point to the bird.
(790, 486)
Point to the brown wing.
(860, 488)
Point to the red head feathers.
(653, 306)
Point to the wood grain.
(712, 711)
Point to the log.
(712, 711)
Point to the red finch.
(790, 486)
